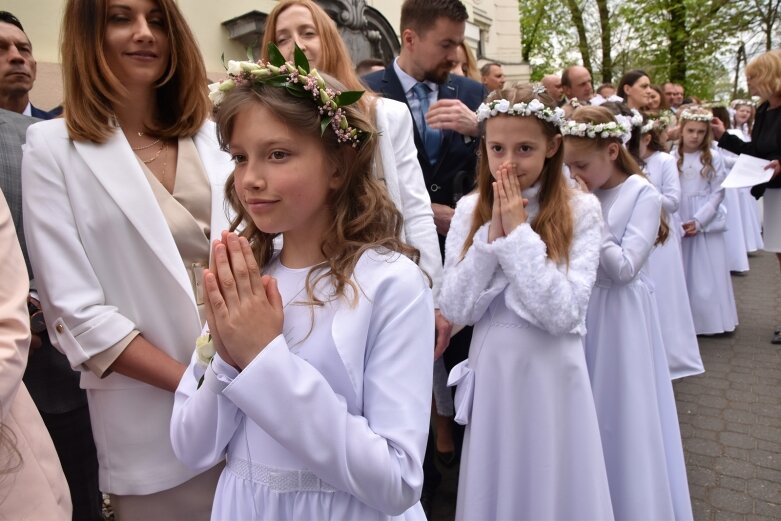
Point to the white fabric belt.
(278, 480)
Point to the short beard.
(437, 77)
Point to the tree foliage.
(693, 42)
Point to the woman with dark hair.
(657, 101)
(763, 76)
(635, 88)
(131, 187)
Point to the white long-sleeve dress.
(704, 255)
(749, 208)
(330, 420)
(665, 267)
(531, 448)
(628, 367)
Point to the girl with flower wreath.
(318, 396)
(520, 261)
(624, 347)
(703, 219)
(665, 264)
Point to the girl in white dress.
(319, 393)
(624, 348)
(665, 265)
(749, 207)
(520, 261)
(703, 221)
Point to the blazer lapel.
(116, 167)
(218, 167)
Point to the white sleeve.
(419, 228)
(706, 213)
(376, 457)
(623, 257)
(80, 322)
(557, 297)
(464, 297)
(671, 186)
(203, 420)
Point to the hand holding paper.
(748, 171)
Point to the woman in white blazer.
(397, 162)
(121, 199)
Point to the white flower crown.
(635, 120)
(695, 116)
(612, 129)
(663, 120)
(534, 108)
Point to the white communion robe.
(531, 449)
(330, 420)
(665, 268)
(628, 367)
(749, 209)
(704, 255)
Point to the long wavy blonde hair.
(553, 222)
(363, 216)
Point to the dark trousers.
(71, 433)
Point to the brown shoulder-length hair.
(554, 220)
(334, 57)
(363, 216)
(706, 156)
(91, 88)
(624, 162)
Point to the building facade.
(232, 27)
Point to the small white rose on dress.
(204, 349)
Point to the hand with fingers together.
(243, 308)
(509, 210)
(689, 229)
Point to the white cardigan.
(406, 186)
(105, 263)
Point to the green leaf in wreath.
(300, 60)
(324, 124)
(348, 98)
(274, 56)
(295, 90)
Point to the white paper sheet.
(747, 171)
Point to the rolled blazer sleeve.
(80, 322)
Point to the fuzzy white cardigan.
(552, 296)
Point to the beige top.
(187, 211)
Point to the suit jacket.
(454, 173)
(49, 378)
(42, 114)
(34, 486)
(105, 264)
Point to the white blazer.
(105, 263)
(404, 180)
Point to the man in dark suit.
(49, 378)
(17, 69)
(443, 110)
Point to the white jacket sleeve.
(465, 294)
(671, 186)
(203, 421)
(415, 204)
(555, 295)
(708, 211)
(80, 323)
(377, 456)
(622, 258)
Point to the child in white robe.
(703, 219)
(319, 394)
(520, 261)
(624, 348)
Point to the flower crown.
(534, 108)
(299, 81)
(612, 129)
(689, 115)
(635, 120)
(749, 102)
(663, 120)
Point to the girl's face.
(742, 114)
(521, 141)
(296, 26)
(136, 42)
(459, 66)
(645, 140)
(638, 95)
(282, 177)
(693, 135)
(593, 164)
(654, 100)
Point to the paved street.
(730, 415)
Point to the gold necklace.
(163, 147)
(150, 145)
